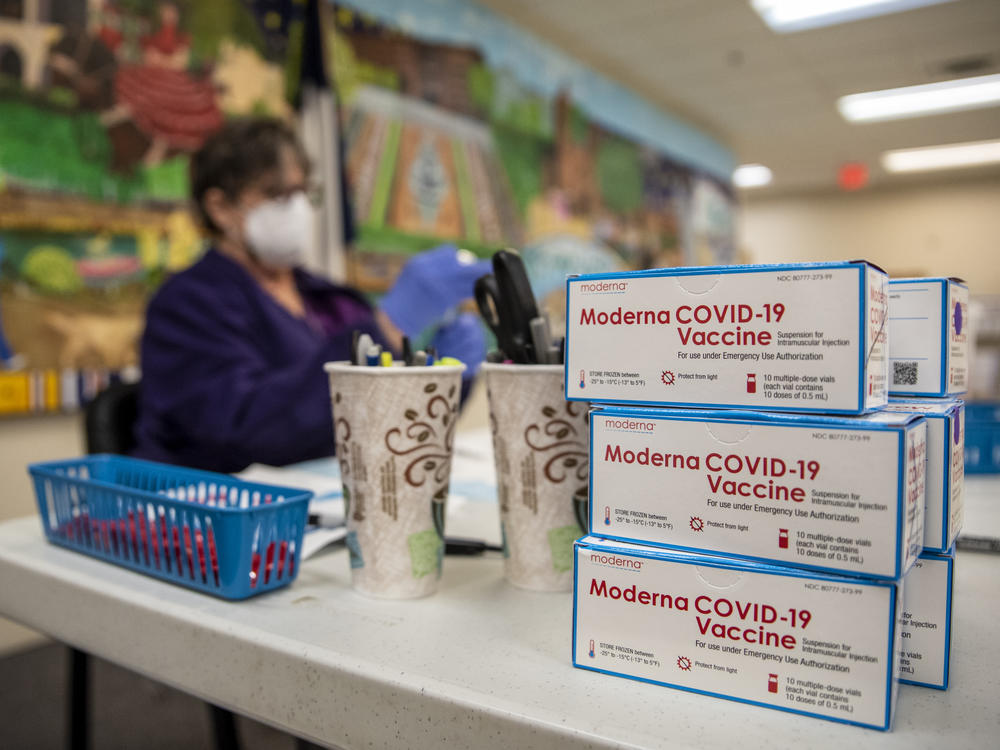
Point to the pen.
(540, 339)
(365, 342)
(355, 335)
(978, 543)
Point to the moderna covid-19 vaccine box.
(944, 508)
(796, 337)
(784, 638)
(928, 337)
(925, 653)
(838, 494)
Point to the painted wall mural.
(458, 127)
(101, 103)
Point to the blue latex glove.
(462, 339)
(429, 285)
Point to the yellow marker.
(385, 360)
(447, 362)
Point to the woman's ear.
(221, 211)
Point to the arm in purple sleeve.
(223, 403)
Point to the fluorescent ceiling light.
(927, 99)
(751, 175)
(796, 15)
(953, 156)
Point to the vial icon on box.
(751, 382)
(583, 382)
(607, 515)
(782, 538)
(772, 683)
(591, 652)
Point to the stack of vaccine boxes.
(755, 508)
(929, 370)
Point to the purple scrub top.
(229, 377)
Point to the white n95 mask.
(279, 232)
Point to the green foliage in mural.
(77, 155)
(525, 114)
(63, 97)
(619, 175)
(75, 152)
(168, 180)
(347, 72)
(508, 104)
(51, 269)
(209, 23)
(388, 240)
(480, 82)
(522, 157)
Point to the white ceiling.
(772, 97)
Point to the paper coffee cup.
(540, 445)
(394, 430)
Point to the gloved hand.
(429, 285)
(462, 339)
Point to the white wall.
(24, 440)
(925, 230)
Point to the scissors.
(508, 306)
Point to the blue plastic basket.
(210, 532)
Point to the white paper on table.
(472, 472)
(473, 475)
(321, 485)
(328, 498)
(316, 539)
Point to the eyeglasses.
(313, 191)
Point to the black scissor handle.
(514, 285)
(487, 300)
(495, 311)
(519, 302)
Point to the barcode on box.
(904, 373)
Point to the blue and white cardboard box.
(787, 337)
(928, 337)
(838, 494)
(809, 643)
(944, 507)
(925, 657)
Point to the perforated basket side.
(206, 531)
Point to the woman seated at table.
(234, 346)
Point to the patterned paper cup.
(394, 429)
(541, 453)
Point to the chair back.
(110, 419)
